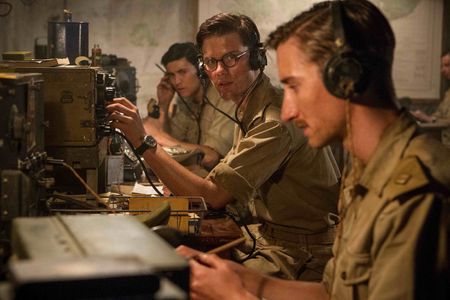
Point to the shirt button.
(343, 275)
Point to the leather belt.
(326, 237)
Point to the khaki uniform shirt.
(383, 230)
(443, 111)
(289, 187)
(216, 129)
(274, 171)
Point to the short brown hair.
(367, 27)
(178, 51)
(367, 32)
(224, 23)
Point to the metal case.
(21, 143)
(122, 246)
(70, 99)
(74, 110)
(22, 153)
(21, 117)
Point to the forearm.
(267, 287)
(274, 288)
(191, 147)
(183, 182)
(443, 120)
(164, 118)
(210, 156)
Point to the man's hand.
(211, 157)
(125, 116)
(165, 93)
(187, 252)
(421, 116)
(213, 277)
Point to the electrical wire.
(74, 200)
(196, 116)
(78, 177)
(250, 254)
(241, 126)
(191, 111)
(245, 95)
(140, 161)
(219, 110)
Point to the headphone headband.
(339, 32)
(345, 75)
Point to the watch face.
(150, 141)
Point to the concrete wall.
(142, 30)
(139, 30)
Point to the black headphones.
(346, 74)
(257, 59)
(201, 71)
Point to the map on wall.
(417, 25)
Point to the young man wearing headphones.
(335, 61)
(193, 123)
(290, 188)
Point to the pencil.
(226, 246)
(161, 68)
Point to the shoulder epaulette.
(271, 113)
(408, 176)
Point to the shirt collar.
(392, 145)
(256, 102)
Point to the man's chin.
(185, 95)
(226, 96)
(315, 144)
(320, 143)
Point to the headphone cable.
(244, 96)
(247, 92)
(241, 126)
(234, 218)
(144, 168)
(196, 117)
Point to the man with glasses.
(289, 188)
(193, 124)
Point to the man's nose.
(177, 80)
(221, 67)
(288, 109)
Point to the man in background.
(442, 113)
(192, 123)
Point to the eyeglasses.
(229, 60)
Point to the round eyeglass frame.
(215, 62)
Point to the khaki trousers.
(286, 253)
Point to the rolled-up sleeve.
(253, 161)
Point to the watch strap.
(145, 145)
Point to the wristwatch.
(147, 143)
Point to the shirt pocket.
(355, 273)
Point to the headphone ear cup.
(343, 76)
(201, 72)
(258, 58)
